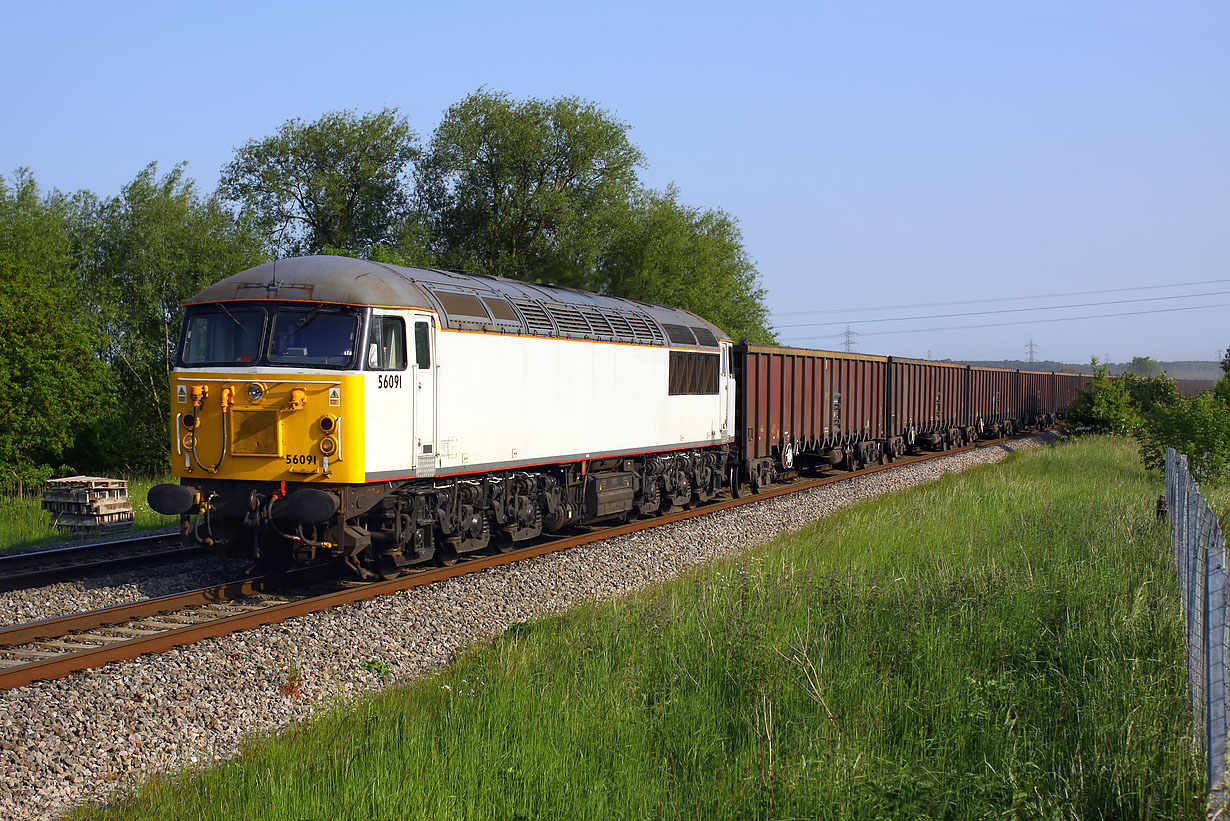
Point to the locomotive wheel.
(446, 554)
(501, 543)
(387, 569)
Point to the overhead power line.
(998, 299)
(1003, 310)
(1020, 322)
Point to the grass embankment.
(1005, 643)
(24, 522)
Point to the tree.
(1144, 366)
(1225, 363)
(339, 182)
(526, 189)
(1148, 392)
(1198, 426)
(157, 243)
(689, 258)
(1104, 405)
(49, 377)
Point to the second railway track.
(39, 567)
(53, 648)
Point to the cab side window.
(422, 346)
(386, 344)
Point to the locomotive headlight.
(189, 421)
(189, 441)
(328, 423)
(256, 391)
(328, 446)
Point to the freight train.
(383, 416)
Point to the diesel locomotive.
(387, 416)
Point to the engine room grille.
(598, 322)
(679, 334)
(620, 326)
(693, 373)
(704, 336)
(255, 433)
(569, 320)
(645, 330)
(536, 318)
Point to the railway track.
(46, 566)
(53, 648)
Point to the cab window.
(386, 344)
(222, 336)
(422, 346)
(312, 336)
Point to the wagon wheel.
(736, 487)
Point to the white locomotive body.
(392, 415)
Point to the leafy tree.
(1148, 392)
(49, 377)
(157, 243)
(1104, 406)
(1222, 390)
(1144, 366)
(1198, 426)
(689, 258)
(527, 189)
(340, 181)
(1225, 363)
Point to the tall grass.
(23, 521)
(1005, 643)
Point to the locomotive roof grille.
(463, 301)
(704, 336)
(679, 334)
(644, 329)
(570, 321)
(537, 320)
(598, 321)
(620, 325)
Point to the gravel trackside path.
(68, 741)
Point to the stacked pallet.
(89, 505)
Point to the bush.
(1104, 406)
(1149, 392)
(1198, 426)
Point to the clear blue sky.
(874, 153)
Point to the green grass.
(24, 522)
(1005, 643)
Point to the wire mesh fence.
(1200, 560)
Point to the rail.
(19, 570)
(54, 648)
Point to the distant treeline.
(1182, 369)
(542, 190)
